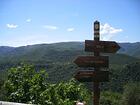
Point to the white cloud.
(11, 26)
(28, 20)
(50, 27)
(70, 29)
(107, 31)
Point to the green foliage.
(26, 84)
(110, 98)
(2, 91)
(122, 59)
(64, 94)
(131, 72)
(119, 76)
(131, 95)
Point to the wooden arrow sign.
(92, 61)
(101, 46)
(92, 76)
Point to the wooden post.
(96, 85)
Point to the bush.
(64, 93)
(27, 85)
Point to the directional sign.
(101, 46)
(92, 76)
(92, 61)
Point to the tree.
(131, 72)
(131, 95)
(110, 98)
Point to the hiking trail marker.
(101, 46)
(92, 61)
(92, 76)
(97, 62)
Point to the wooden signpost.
(101, 46)
(96, 61)
(92, 76)
(92, 61)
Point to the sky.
(28, 22)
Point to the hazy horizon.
(58, 43)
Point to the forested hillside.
(132, 49)
(57, 59)
(58, 52)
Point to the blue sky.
(27, 22)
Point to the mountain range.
(132, 49)
(59, 51)
(57, 59)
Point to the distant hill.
(41, 52)
(132, 49)
(5, 50)
(57, 59)
(62, 52)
